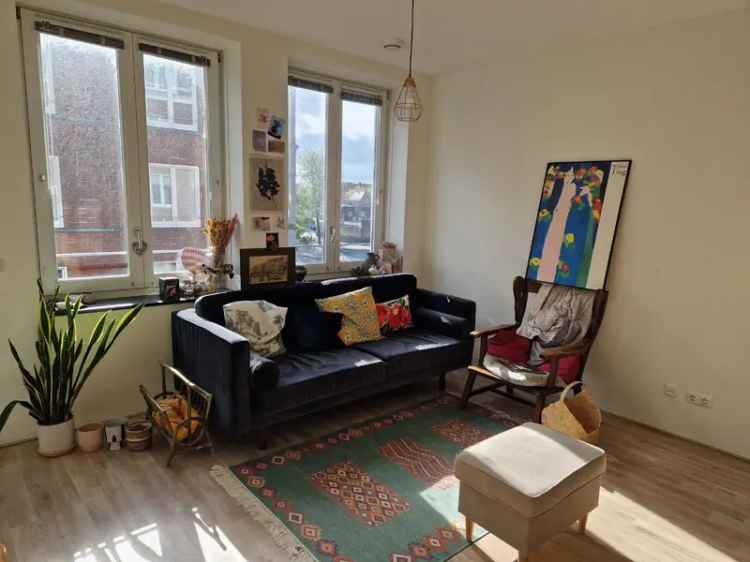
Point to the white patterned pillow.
(260, 322)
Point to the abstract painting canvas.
(576, 222)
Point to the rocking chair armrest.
(491, 331)
(573, 349)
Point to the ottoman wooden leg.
(469, 529)
(582, 524)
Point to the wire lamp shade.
(408, 106)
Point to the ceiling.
(451, 33)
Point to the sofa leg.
(468, 387)
(582, 524)
(261, 439)
(441, 382)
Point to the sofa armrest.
(442, 323)
(218, 360)
(447, 304)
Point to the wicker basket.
(577, 416)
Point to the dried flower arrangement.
(219, 232)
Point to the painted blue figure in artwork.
(567, 223)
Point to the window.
(175, 196)
(171, 93)
(122, 184)
(335, 167)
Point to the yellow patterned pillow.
(360, 322)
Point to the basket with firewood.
(179, 412)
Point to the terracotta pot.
(56, 440)
(90, 437)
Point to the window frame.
(334, 141)
(135, 165)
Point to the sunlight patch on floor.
(123, 549)
(215, 545)
(619, 519)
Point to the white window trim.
(55, 191)
(173, 183)
(171, 97)
(133, 120)
(333, 262)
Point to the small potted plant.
(64, 364)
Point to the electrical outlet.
(670, 390)
(699, 399)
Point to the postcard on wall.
(277, 127)
(576, 221)
(262, 118)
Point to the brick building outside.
(85, 158)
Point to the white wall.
(677, 101)
(255, 67)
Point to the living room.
(187, 103)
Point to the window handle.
(139, 246)
(332, 233)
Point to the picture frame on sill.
(262, 266)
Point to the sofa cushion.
(416, 350)
(260, 322)
(384, 287)
(394, 315)
(360, 323)
(510, 347)
(307, 377)
(310, 329)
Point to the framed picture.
(276, 127)
(267, 187)
(260, 140)
(262, 223)
(276, 146)
(576, 222)
(261, 266)
(272, 240)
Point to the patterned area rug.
(379, 491)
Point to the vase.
(56, 440)
(218, 279)
(90, 437)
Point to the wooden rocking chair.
(567, 362)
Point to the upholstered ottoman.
(528, 484)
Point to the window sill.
(123, 303)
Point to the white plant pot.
(56, 440)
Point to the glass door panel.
(308, 130)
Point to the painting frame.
(250, 279)
(593, 187)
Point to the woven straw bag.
(577, 416)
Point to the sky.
(358, 131)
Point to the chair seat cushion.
(416, 350)
(307, 377)
(530, 468)
(508, 355)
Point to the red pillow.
(394, 315)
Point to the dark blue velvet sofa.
(253, 392)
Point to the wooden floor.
(663, 499)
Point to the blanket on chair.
(557, 316)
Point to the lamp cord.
(411, 40)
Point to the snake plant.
(64, 361)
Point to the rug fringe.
(282, 536)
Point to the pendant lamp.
(408, 106)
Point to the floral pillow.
(394, 315)
(260, 322)
(360, 322)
